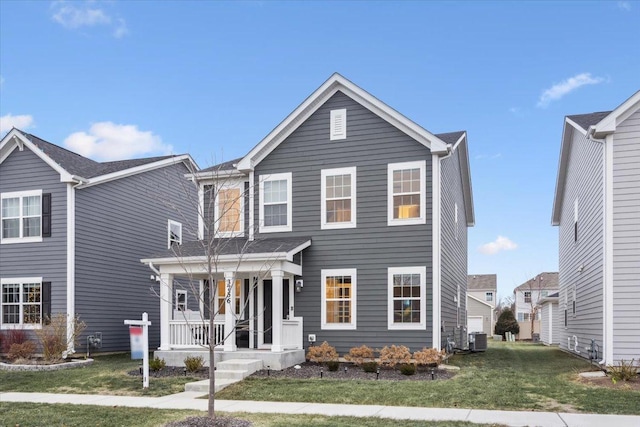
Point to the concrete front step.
(203, 386)
(227, 372)
(249, 365)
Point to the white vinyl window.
(339, 299)
(338, 192)
(406, 193)
(21, 214)
(181, 300)
(338, 124)
(21, 303)
(229, 210)
(407, 298)
(174, 233)
(488, 296)
(275, 203)
(221, 296)
(527, 296)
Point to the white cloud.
(624, 5)
(86, 14)
(500, 244)
(107, 141)
(9, 121)
(563, 88)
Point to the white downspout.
(436, 248)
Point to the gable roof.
(593, 126)
(334, 84)
(74, 167)
(547, 280)
(482, 282)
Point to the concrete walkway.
(189, 400)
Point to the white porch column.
(229, 315)
(166, 301)
(276, 310)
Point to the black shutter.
(46, 215)
(46, 303)
(206, 305)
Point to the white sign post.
(139, 332)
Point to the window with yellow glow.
(222, 293)
(339, 299)
(407, 194)
(229, 209)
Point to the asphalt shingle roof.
(586, 120)
(547, 281)
(482, 282)
(222, 166)
(450, 137)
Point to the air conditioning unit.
(477, 341)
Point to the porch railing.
(194, 333)
(292, 333)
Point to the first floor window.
(407, 296)
(222, 296)
(21, 302)
(339, 299)
(21, 216)
(181, 300)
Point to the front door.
(267, 313)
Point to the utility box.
(477, 341)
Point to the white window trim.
(354, 286)
(229, 186)
(422, 271)
(276, 177)
(324, 225)
(422, 219)
(21, 281)
(178, 293)
(334, 135)
(171, 222)
(488, 294)
(21, 195)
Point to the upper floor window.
(26, 216)
(527, 296)
(338, 191)
(407, 289)
(339, 299)
(488, 296)
(174, 233)
(406, 193)
(21, 303)
(338, 124)
(275, 202)
(229, 210)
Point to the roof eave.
(565, 147)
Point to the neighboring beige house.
(527, 298)
(481, 302)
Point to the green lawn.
(508, 376)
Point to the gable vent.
(338, 124)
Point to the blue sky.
(115, 79)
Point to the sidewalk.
(189, 400)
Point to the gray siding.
(117, 224)
(584, 181)
(626, 235)
(454, 253)
(370, 248)
(24, 171)
(475, 309)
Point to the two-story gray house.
(72, 233)
(347, 223)
(597, 210)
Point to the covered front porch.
(244, 302)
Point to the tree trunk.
(212, 369)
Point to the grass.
(28, 414)
(107, 375)
(508, 376)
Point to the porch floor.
(276, 360)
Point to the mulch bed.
(606, 382)
(172, 371)
(210, 422)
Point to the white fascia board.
(184, 158)
(266, 256)
(297, 249)
(563, 162)
(479, 300)
(467, 188)
(608, 125)
(215, 175)
(16, 137)
(334, 84)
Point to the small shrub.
(11, 337)
(394, 355)
(23, 350)
(408, 369)
(429, 356)
(623, 371)
(157, 364)
(360, 355)
(333, 365)
(53, 336)
(193, 363)
(322, 353)
(370, 367)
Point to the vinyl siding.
(453, 254)
(584, 181)
(626, 235)
(117, 224)
(549, 323)
(24, 171)
(481, 295)
(475, 309)
(370, 248)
